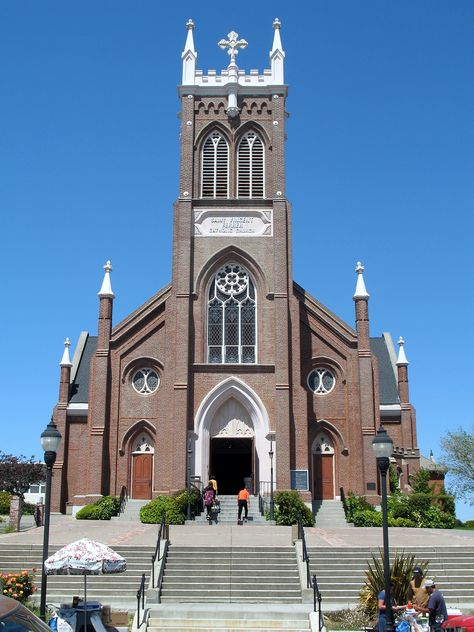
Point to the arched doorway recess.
(232, 421)
(323, 467)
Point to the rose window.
(231, 280)
(321, 380)
(145, 381)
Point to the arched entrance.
(323, 467)
(142, 466)
(232, 456)
(230, 433)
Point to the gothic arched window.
(215, 167)
(231, 317)
(250, 167)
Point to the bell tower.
(232, 278)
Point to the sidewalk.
(64, 529)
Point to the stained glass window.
(145, 381)
(321, 380)
(231, 318)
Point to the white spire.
(277, 55)
(360, 291)
(402, 359)
(106, 288)
(66, 360)
(189, 56)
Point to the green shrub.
(102, 509)
(469, 524)
(356, 504)
(393, 480)
(181, 498)
(420, 482)
(289, 507)
(152, 512)
(419, 503)
(446, 503)
(367, 518)
(4, 503)
(400, 522)
(398, 506)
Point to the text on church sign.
(246, 223)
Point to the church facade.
(233, 368)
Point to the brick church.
(232, 368)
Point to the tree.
(458, 458)
(17, 473)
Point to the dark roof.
(80, 386)
(388, 388)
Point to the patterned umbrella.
(85, 557)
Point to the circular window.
(321, 380)
(231, 279)
(145, 381)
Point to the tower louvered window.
(215, 167)
(250, 167)
(231, 318)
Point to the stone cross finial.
(232, 44)
(108, 266)
(189, 24)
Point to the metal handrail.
(311, 581)
(123, 499)
(156, 554)
(141, 601)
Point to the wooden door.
(323, 482)
(142, 475)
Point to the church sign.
(299, 480)
(244, 223)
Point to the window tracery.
(231, 328)
(215, 167)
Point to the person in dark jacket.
(436, 608)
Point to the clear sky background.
(380, 166)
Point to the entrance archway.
(142, 467)
(232, 411)
(323, 467)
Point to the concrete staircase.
(329, 514)
(231, 575)
(341, 573)
(221, 617)
(228, 513)
(132, 510)
(119, 590)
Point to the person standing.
(436, 607)
(213, 482)
(208, 496)
(243, 498)
(416, 590)
(381, 609)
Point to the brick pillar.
(59, 477)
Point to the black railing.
(311, 581)
(156, 554)
(123, 499)
(141, 602)
(346, 504)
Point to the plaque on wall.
(299, 480)
(232, 222)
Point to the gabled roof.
(388, 387)
(79, 391)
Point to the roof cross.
(232, 44)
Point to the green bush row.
(102, 509)
(419, 509)
(174, 507)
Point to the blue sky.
(380, 164)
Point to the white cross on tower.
(232, 44)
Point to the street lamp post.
(50, 440)
(188, 483)
(272, 504)
(382, 446)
